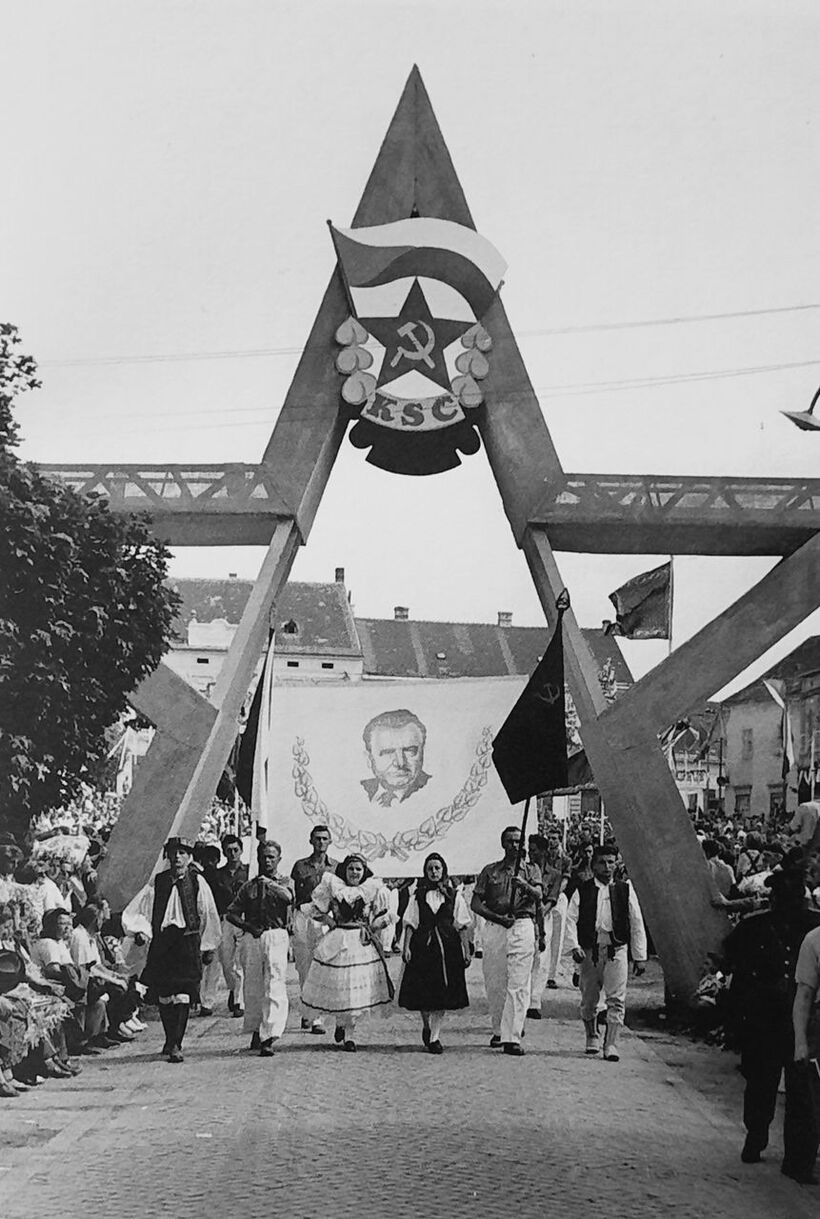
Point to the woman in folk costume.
(177, 913)
(348, 974)
(436, 950)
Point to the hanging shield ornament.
(412, 379)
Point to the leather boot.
(180, 1011)
(611, 1042)
(167, 1015)
(593, 1044)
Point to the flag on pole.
(777, 689)
(643, 606)
(530, 748)
(422, 246)
(253, 777)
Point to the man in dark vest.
(176, 913)
(761, 953)
(604, 922)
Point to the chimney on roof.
(504, 618)
(231, 575)
(339, 578)
(401, 613)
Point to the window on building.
(747, 743)
(290, 627)
(292, 664)
(327, 664)
(775, 801)
(202, 660)
(743, 801)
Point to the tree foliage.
(84, 616)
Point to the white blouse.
(435, 900)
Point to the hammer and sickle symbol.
(418, 351)
(549, 695)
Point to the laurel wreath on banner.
(375, 846)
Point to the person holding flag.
(506, 896)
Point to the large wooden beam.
(183, 720)
(706, 662)
(652, 826)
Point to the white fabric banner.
(394, 769)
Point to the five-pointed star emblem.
(415, 340)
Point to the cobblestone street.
(390, 1131)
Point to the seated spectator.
(53, 955)
(87, 952)
(32, 1017)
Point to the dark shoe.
(52, 1070)
(350, 1046)
(512, 1047)
(237, 1010)
(176, 1055)
(751, 1152)
(338, 1034)
(802, 1178)
(533, 1013)
(305, 1024)
(89, 1050)
(266, 1049)
(68, 1065)
(495, 1042)
(435, 1047)
(104, 1042)
(255, 1042)
(425, 1035)
(552, 984)
(206, 1011)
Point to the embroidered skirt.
(345, 974)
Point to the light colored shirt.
(807, 973)
(136, 917)
(603, 920)
(435, 900)
(83, 948)
(804, 822)
(47, 952)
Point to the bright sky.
(170, 167)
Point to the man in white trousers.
(260, 910)
(604, 923)
(507, 902)
(306, 874)
(538, 851)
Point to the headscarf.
(425, 885)
(341, 870)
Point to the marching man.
(261, 910)
(177, 914)
(507, 900)
(604, 922)
(306, 874)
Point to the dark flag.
(643, 606)
(530, 749)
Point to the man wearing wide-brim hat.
(177, 914)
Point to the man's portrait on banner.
(394, 744)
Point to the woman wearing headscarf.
(436, 950)
(348, 974)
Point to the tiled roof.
(390, 647)
(321, 612)
(466, 649)
(803, 660)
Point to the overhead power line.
(253, 353)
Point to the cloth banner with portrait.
(394, 769)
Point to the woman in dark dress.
(436, 950)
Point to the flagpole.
(340, 264)
(520, 856)
(671, 598)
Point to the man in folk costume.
(261, 909)
(176, 912)
(604, 922)
(506, 895)
(306, 874)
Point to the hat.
(178, 844)
(12, 970)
